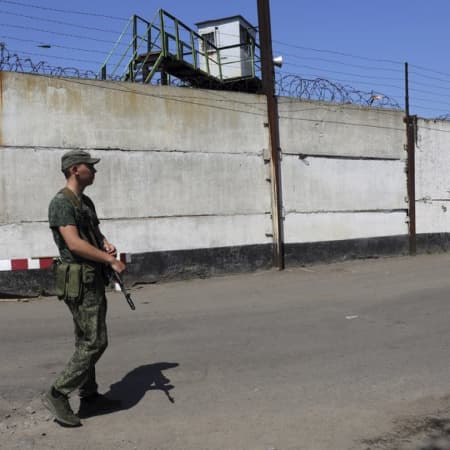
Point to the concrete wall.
(343, 172)
(183, 182)
(432, 177)
(181, 169)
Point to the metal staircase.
(166, 51)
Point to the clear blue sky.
(354, 43)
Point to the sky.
(356, 47)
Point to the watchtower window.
(208, 42)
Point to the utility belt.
(72, 278)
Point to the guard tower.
(227, 44)
(224, 56)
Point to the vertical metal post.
(103, 72)
(219, 64)
(178, 43)
(252, 56)
(268, 88)
(205, 54)
(132, 64)
(411, 126)
(135, 35)
(163, 33)
(149, 37)
(194, 50)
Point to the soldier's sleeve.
(61, 212)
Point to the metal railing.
(166, 37)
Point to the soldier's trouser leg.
(89, 316)
(90, 386)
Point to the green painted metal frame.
(116, 44)
(165, 40)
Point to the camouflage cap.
(73, 157)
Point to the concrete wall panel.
(432, 176)
(24, 240)
(433, 159)
(39, 111)
(325, 184)
(30, 179)
(339, 226)
(433, 217)
(181, 184)
(314, 128)
(186, 233)
(138, 184)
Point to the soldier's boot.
(59, 406)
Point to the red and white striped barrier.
(25, 263)
(39, 263)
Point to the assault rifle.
(127, 295)
(110, 273)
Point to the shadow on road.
(132, 388)
(428, 433)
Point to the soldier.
(80, 282)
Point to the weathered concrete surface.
(147, 201)
(343, 171)
(432, 178)
(324, 184)
(181, 168)
(335, 357)
(39, 111)
(334, 199)
(316, 227)
(188, 169)
(315, 128)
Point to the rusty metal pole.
(268, 88)
(411, 126)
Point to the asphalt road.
(332, 357)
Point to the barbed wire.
(329, 91)
(12, 62)
(287, 85)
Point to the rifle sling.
(76, 202)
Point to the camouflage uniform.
(89, 309)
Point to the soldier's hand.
(118, 266)
(109, 248)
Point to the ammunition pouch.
(69, 282)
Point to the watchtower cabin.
(230, 43)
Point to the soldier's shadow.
(131, 389)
